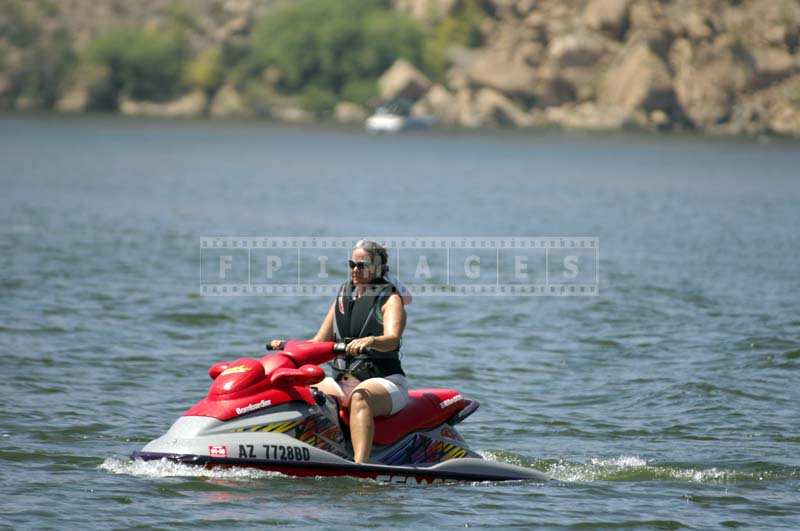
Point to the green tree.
(336, 46)
(205, 71)
(143, 64)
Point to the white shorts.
(395, 384)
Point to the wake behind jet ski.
(264, 414)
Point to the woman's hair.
(377, 253)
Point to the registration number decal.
(276, 452)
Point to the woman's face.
(362, 275)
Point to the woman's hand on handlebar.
(357, 346)
(275, 344)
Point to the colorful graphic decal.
(422, 449)
(447, 433)
(235, 369)
(315, 430)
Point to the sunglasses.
(359, 265)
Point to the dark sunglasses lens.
(357, 265)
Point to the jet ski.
(264, 414)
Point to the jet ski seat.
(426, 409)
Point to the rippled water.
(669, 400)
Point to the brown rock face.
(492, 108)
(228, 103)
(579, 49)
(552, 89)
(290, 113)
(439, 103)
(497, 71)
(706, 86)
(610, 16)
(188, 106)
(775, 109)
(74, 100)
(591, 116)
(426, 11)
(772, 65)
(349, 113)
(402, 80)
(639, 79)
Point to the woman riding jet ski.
(369, 315)
(265, 414)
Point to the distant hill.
(721, 66)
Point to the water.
(669, 400)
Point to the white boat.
(394, 118)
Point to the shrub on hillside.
(205, 71)
(143, 64)
(335, 46)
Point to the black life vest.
(362, 317)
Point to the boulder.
(782, 106)
(188, 106)
(228, 103)
(465, 110)
(775, 109)
(425, 11)
(552, 89)
(767, 22)
(696, 25)
(610, 16)
(530, 53)
(591, 116)
(638, 79)
(494, 109)
(290, 113)
(402, 81)
(785, 118)
(772, 65)
(707, 85)
(497, 71)
(439, 103)
(75, 99)
(349, 113)
(580, 49)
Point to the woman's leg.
(330, 387)
(370, 399)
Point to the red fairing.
(426, 409)
(246, 385)
(309, 352)
(242, 377)
(228, 409)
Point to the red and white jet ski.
(262, 413)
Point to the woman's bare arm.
(325, 332)
(394, 322)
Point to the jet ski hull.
(464, 469)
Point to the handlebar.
(338, 348)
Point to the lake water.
(668, 400)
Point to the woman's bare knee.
(330, 387)
(380, 402)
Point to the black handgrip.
(340, 347)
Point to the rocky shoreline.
(716, 66)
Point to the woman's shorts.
(395, 384)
